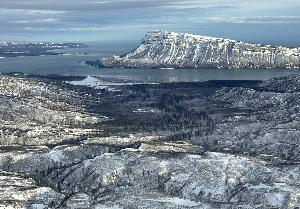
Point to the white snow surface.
(88, 81)
(166, 50)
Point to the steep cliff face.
(160, 49)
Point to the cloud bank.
(129, 19)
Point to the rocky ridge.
(161, 49)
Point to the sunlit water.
(73, 64)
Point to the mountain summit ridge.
(163, 49)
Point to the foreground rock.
(245, 155)
(20, 192)
(160, 49)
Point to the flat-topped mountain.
(161, 49)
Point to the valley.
(214, 144)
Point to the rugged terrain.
(217, 144)
(161, 49)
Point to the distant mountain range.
(161, 49)
(17, 49)
(41, 45)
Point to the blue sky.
(266, 21)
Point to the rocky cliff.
(160, 49)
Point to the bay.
(72, 63)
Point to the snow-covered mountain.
(161, 49)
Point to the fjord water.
(72, 63)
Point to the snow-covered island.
(161, 49)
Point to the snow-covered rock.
(161, 49)
(249, 159)
(17, 192)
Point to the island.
(16, 49)
(161, 49)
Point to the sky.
(117, 21)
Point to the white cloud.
(43, 12)
(46, 20)
(30, 12)
(257, 19)
(94, 28)
(99, 2)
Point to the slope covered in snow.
(242, 151)
(161, 49)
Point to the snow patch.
(276, 200)
(39, 206)
(106, 207)
(183, 202)
(92, 82)
(88, 81)
(56, 155)
(176, 201)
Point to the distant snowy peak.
(162, 49)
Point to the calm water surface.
(72, 64)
